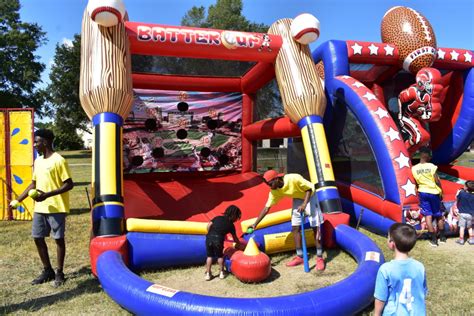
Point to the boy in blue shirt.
(400, 288)
(465, 204)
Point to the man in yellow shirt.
(304, 200)
(429, 194)
(52, 181)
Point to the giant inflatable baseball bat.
(304, 101)
(106, 96)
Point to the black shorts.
(214, 248)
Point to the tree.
(20, 70)
(225, 15)
(63, 91)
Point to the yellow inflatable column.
(16, 161)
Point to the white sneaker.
(221, 275)
(208, 276)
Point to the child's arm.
(209, 226)
(438, 182)
(378, 307)
(260, 216)
(307, 195)
(236, 239)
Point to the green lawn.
(449, 268)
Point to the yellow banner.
(20, 151)
(3, 170)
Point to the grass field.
(449, 268)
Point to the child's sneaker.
(442, 240)
(59, 278)
(433, 243)
(45, 276)
(460, 242)
(470, 241)
(208, 276)
(221, 275)
(295, 262)
(320, 264)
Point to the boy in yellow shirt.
(429, 194)
(52, 181)
(304, 200)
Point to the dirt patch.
(282, 281)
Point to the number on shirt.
(405, 296)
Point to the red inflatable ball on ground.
(250, 265)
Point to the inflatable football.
(413, 35)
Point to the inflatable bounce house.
(173, 151)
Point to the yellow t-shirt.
(294, 186)
(424, 176)
(49, 175)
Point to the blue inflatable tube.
(346, 297)
(462, 133)
(153, 251)
(370, 219)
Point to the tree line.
(21, 68)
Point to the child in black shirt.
(217, 229)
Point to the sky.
(452, 21)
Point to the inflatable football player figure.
(419, 104)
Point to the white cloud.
(67, 42)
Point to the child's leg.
(317, 241)
(316, 221)
(296, 226)
(296, 231)
(208, 264)
(220, 262)
(429, 223)
(441, 228)
(462, 225)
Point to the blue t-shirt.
(465, 202)
(401, 284)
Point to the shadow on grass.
(332, 254)
(90, 285)
(77, 184)
(274, 275)
(79, 211)
(81, 154)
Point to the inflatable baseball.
(106, 12)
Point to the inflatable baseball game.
(173, 151)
